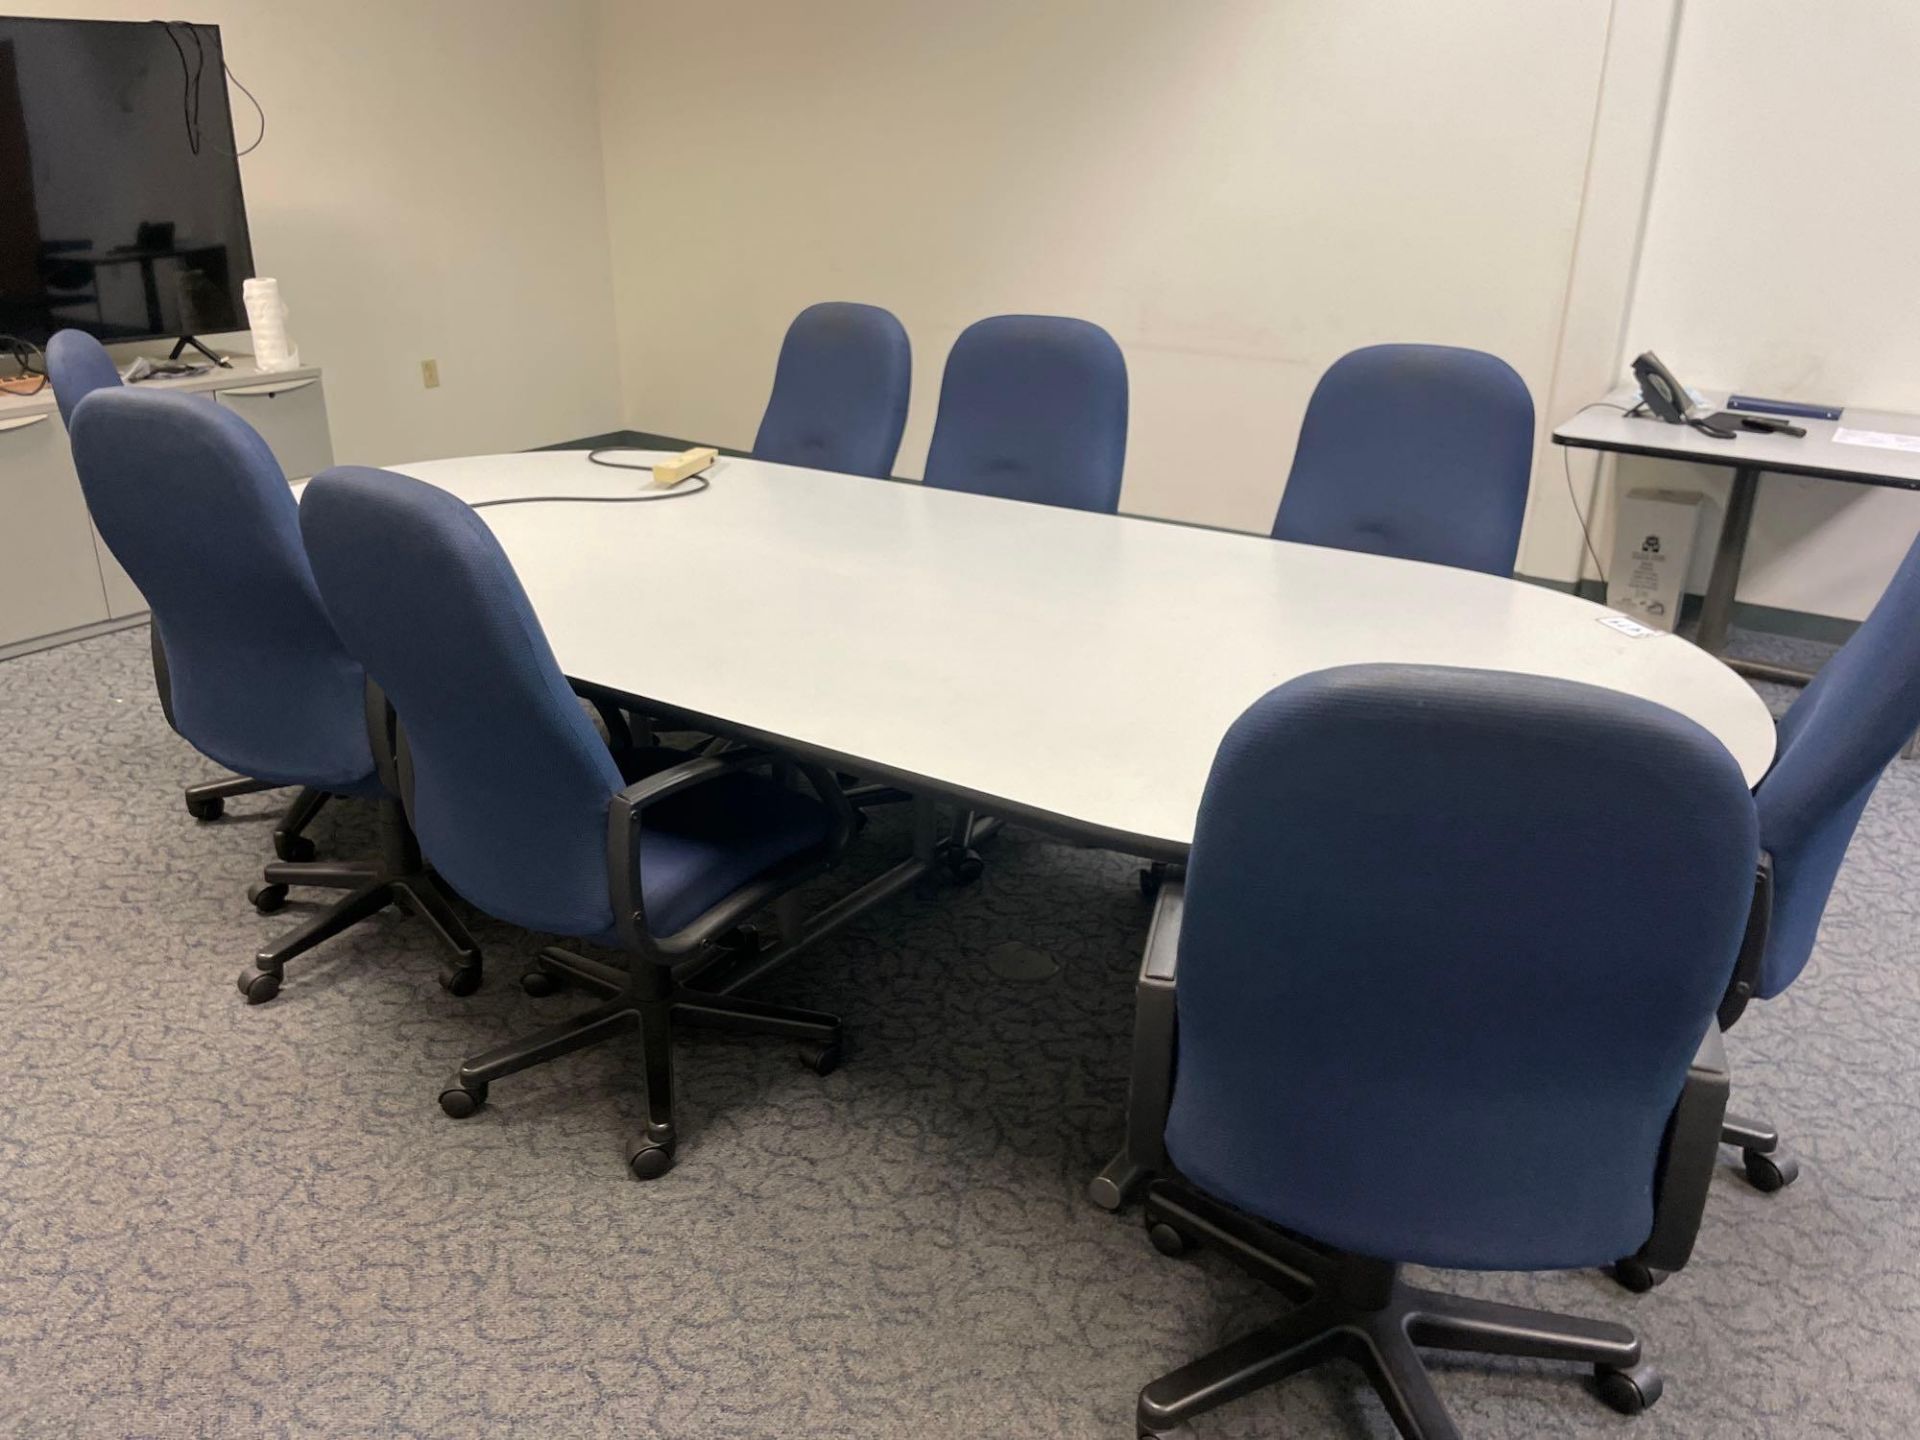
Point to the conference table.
(1071, 671)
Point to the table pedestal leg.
(1716, 609)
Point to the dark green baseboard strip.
(1767, 619)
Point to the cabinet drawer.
(291, 416)
(49, 578)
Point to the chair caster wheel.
(1770, 1172)
(460, 979)
(822, 1059)
(295, 849)
(462, 1099)
(1106, 1193)
(540, 982)
(259, 986)
(267, 898)
(1168, 1239)
(650, 1160)
(1182, 1431)
(1629, 1391)
(965, 866)
(207, 809)
(1636, 1275)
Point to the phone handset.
(1663, 394)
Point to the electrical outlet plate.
(430, 374)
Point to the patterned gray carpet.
(223, 1221)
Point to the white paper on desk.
(1879, 439)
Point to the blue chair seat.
(704, 844)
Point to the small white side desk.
(1602, 426)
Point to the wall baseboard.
(1767, 619)
(67, 637)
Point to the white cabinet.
(291, 415)
(49, 576)
(56, 573)
(123, 596)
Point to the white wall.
(1781, 259)
(1240, 191)
(430, 186)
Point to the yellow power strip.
(691, 462)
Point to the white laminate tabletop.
(1078, 669)
(1602, 426)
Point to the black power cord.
(679, 491)
(32, 363)
(1566, 468)
(190, 74)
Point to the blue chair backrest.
(1451, 940)
(194, 506)
(839, 392)
(1033, 407)
(1416, 451)
(1833, 744)
(77, 365)
(510, 781)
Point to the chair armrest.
(1150, 1086)
(1688, 1156)
(624, 814)
(1753, 946)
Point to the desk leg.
(1716, 609)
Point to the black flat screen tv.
(120, 205)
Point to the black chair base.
(648, 1001)
(1769, 1168)
(398, 878)
(208, 801)
(1361, 1310)
(290, 842)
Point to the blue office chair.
(1833, 745)
(1033, 407)
(519, 804)
(839, 392)
(78, 365)
(193, 504)
(1416, 451)
(1419, 1025)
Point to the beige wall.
(1780, 259)
(430, 186)
(1240, 191)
